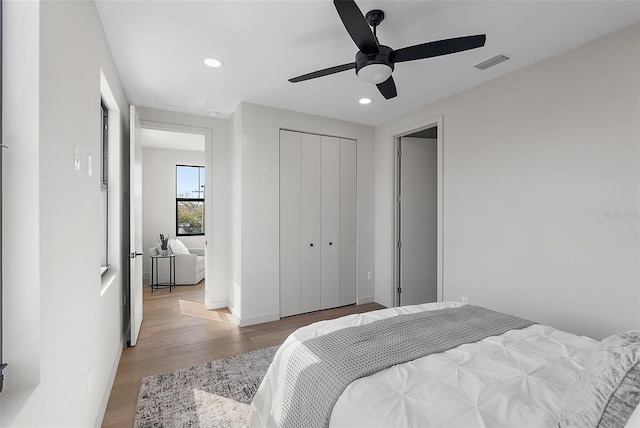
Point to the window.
(104, 188)
(189, 200)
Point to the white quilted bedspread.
(518, 379)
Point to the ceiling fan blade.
(324, 72)
(357, 26)
(388, 88)
(440, 47)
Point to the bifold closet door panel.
(310, 245)
(290, 273)
(348, 221)
(330, 223)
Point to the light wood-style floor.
(169, 340)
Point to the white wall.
(159, 197)
(258, 132)
(235, 303)
(69, 322)
(217, 191)
(533, 164)
(21, 129)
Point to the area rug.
(198, 310)
(214, 394)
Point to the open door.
(418, 228)
(136, 225)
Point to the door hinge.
(399, 198)
(399, 290)
(400, 152)
(399, 244)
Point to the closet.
(317, 222)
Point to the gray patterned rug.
(214, 394)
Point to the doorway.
(155, 200)
(418, 220)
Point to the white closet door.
(310, 244)
(330, 223)
(289, 223)
(348, 219)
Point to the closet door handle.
(330, 243)
(311, 245)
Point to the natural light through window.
(104, 189)
(190, 181)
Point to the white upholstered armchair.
(190, 268)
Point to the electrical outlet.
(369, 276)
(465, 300)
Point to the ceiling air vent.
(171, 101)
(491, 62)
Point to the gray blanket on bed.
(321, 368)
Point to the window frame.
(182, 199)
(104, 181)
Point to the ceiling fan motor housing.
(381, 65)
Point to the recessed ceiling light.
(365, 100)
(212, 62)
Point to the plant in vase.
(164, 244)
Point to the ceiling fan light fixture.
(374, 73)
(213, 62)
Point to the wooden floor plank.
(169, 341)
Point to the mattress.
(518, 379)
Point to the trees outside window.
(190, 181)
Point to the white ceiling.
(172, 140)
(159, 46)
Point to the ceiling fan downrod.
(374, 18)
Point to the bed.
(520, 378)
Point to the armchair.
(190, 268)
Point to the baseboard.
(218, 304)
(383, 302)
(233, 319)
(107, 392)
(235, 316)
(364, 300)
(244, 322)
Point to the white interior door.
(310, 222)
(418, 220)
(135, 224)
(348, 221)
(318, 209)
(330, 223)
(289, 223)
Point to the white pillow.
(177, 247)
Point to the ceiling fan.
(375, 62)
